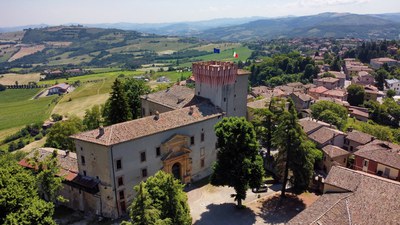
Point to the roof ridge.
(350, 193)
(369, 175)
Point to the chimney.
(156, 115)
(66, 153)
(191, 110)
(350, 129)
(101, 131)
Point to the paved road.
(211, 205)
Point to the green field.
(225, 55)
(17, 109)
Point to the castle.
(176, 135)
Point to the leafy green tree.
(168, 197)
(238, 163)
(19, 200)
(390, 93)
(335, 110)
(380, 76)
(309, 73)
(49, 183)
(142, 211)
(92, 118)
(56, 117)
(335, 65)
(356, 94)
(134, 88)
(58, 136)
(117, 105)
(295, 152)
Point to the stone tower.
(224, 84)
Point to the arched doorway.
(176, 171)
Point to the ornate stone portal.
(176, 157)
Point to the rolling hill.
(335, 25)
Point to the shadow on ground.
(226, 214)
(277, 210)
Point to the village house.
(378, 62)
(328, 82)
(310, 125)
(59, 89)
(393, 84)
(363, 78)
(301, 101)
(327, 136)
(353, 197)
(338, 94)
(371, 93)
(317, 92)
(379, 157)
(180, 140)
(334, 155)
(81, 191)
(359, 113)
(352, 67)
(339, 75)
(356, 138)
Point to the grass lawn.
(17, 109)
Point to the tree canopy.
(296, 152)
(117, 107)
(356, 94)
(238, 163)
(58, 136)
(337, 114)
(92, 119)
(134, 88)
(19, 199)
(160, 200)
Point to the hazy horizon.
(50, 12)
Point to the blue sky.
(55, 12)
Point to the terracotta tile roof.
(63, 86)
(303, 97)
(369, 199)
(68, 163)
(176, 97)
(336, 93)
(138, 128)
(310, 125)
(319, 89)
(324, 134)
(359, 137)
(259, 104)
(382, 152)
(334, 151)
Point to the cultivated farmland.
(11, 78)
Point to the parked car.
(262, 188)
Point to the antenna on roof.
(191, 110)
(156, 115)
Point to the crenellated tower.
(224, 84)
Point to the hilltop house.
(393, 84)
(378, 62)
(59, 89)
(334, 155)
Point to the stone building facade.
(176, 136)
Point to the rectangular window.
(344, 160)
(202, 151)
(365, 162)
(120, 181)
(202, 162)
(143, 157)
(83, 160)
(121, 195)
(158, 151)
(202, 136)
(119, 164)
(192, 140)
(144, 173)
(143, 112)
(84, 173)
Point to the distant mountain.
(335, 25)
(174, 29)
